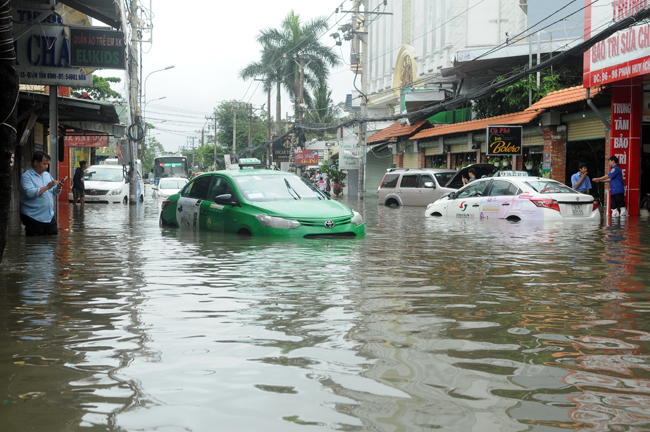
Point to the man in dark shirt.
(615, 179)
(78, 186)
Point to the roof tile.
(473, 125)
(563, 97)
(396, 130)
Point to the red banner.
(75, 140)
(306, 157)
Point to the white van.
(107, 184)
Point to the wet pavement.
(118, 325)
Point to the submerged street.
(119, 325)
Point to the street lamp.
(145, 80)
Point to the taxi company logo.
(329, 224)
(463, 206)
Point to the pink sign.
(79, 140)
(306, 157)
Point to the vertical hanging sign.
(625, 138)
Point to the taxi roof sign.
(249, 161)
(511, 173)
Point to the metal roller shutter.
(430, 151)
(580, 130)
(459, 148)
(410, 160)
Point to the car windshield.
(103, 174)
(277, 188)
(444, 177)
(549, 186)
(172, 183)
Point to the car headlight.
(277, 222)
(357, 219)
(115, 191)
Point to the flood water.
(118, 325)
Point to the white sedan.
(168, 186)
(515, 199)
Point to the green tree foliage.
(225, 119)
(293, 39)
(333, 173)
(321, 109)
(514, 98)
(101, 89)
(153, 149)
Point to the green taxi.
(259, 202)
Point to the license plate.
(92, 199)
(578, 209)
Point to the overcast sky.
(208, 43)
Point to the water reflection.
(423, 324)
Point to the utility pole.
(268, 120)
(234, 133)
(302, 88)
(133, 100)
(364, 102)
(192, 153)
(250, 129)
(214, 117)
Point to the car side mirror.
(452, 195)
(155, 188)
(429, 185)
(225, 199)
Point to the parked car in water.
(420, 187)
(516, 198)
(168, 186)
(259, 203)
(107, 184)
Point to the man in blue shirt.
(579, 181)
(37, 193)
(615, 179)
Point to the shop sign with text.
(504, 140)
(97, 48)
(43, 57)
(306, 157)
(80, 140)
(624, 54)
(282, 150)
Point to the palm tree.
(321, 109)
(281, 46)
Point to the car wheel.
(392, 203)
(125, 200)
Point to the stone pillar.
(555, 149)
(448, 160)
(398, 160)
(421, 159)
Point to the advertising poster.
(306, 157)
(504, 140)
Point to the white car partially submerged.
(107, 184)
(168, 186)
(516, 199)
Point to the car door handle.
(204, 213)
(505, 204)
(476, 205)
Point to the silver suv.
(420, 187)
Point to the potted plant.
(529, 164)
(496, 162)
(505, 161)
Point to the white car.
(107, 184)
(515, 199)
(168, 186)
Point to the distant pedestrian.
(321, 184)
(337, 188)
(615, 179)
(580, 181)
(37, 193)
(329, 186)
(78, 187)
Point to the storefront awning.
(397, 130)
(106, 11)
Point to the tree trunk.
(278, 109)
(8, 109)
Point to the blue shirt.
(616, 180)
(584, 186)
(40, 208)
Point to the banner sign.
(282, 150)
(306, 157)
(43, 57)
(97, 48)
(504, 140)
(624, 54)
(74, 140)
(347, 158)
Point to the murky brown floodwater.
(118, 325)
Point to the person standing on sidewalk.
(37, 192)
(78, 186)
(615, 178)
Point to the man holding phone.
(37, 193)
